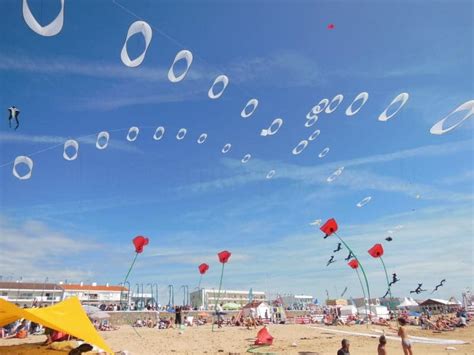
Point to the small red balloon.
(329, 227)
(353, 264)
(224, 256)
(139, 243)
(203, 268)
(376, 251)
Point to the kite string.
(388, 282)
(361, 285)
(175, 41)
(363, 272)
(61, 144)
(218, 296)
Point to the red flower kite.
(329, 227)
(140, 243)
(264, 337)
(376, 251)
(203, 268)
(353, 263)
(331, 26)
(224, 256)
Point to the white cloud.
(33, 251)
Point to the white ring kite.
(246, 158)
(132, 134)
(221, 78)
(311, 121)
(278, 122)
(52, 29)
(364, 96)
(316, 222)
(438, 127)
(300, 147)
(318, 109)
(335, 174)
(136, 27)
(70, 143)
(271, 174)
(181, 134)
(403, 97)
(252, 102)
(314, 135)
(364, 201)
(101, 135)
(184, 54)
(23, 160)
(339, 98)
(202, 138)
(159, 133)
(226, 148)
(324, 152)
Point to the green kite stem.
(131, 266)
(361, 285)
(388, 282)
(218, 295)
(361, 267)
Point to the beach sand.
(201, 340)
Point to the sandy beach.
(289, 339)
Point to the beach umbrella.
(202, 270)
(224, 257)
(329, 228)
(376, 252)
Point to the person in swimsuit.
(381, 348)
(402, 332)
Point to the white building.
(206, 298)
(297, 301)
(27, 293)
(95, 294)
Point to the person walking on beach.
(381, 348)
(219, 311)
(344, 350)
(402, 332)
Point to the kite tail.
(218, 295)
(388, 282)
(361, 267)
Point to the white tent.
(348, 311)
(408, 303)
(261, 309)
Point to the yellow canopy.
(67, 316)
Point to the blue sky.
(74, 220)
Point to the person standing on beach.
(381, 348)
(402, 332)
(344, 350)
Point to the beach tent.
(67, 316)
(348, 311)
(407, 303)
(260, 308)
